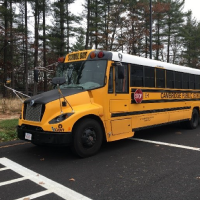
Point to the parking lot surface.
(157, 163)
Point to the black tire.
(194, 121)
(87, 137)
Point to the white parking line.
(167, 144)
(50, 185)
(36, 195)
(4, 168)
(12, 181)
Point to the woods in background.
(35, 33)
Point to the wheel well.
(95, 118)
(197, 108)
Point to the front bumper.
(44, 137)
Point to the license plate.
(28, 136)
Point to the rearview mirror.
(58, 80)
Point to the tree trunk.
(68, 27)
(11, 48)
(168, 42)
(62, 27)
(26, 49)
(36, 44)
(44, 45)
(88, 23)
(5, 47)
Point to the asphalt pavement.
(165, 164)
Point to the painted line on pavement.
(13, 181)
(36, 195)
(48, 184)
(167, 144)
(4, 168)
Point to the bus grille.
(33, 113)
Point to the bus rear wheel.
(194, 121)
(87, 137)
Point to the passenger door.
(119, 101)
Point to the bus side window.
(160, 78)
(137, 78)
(149, 76)
(110, 82)
(192, 81)
(185, 81)
(170, 79)
(197, 82)
(178, 80)
(121, 82)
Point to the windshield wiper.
(74, 87)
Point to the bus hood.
(52, 95)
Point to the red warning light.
(100, 54)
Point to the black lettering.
(83, 55)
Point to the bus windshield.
(85, 75)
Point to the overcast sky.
(193, 5)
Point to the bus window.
(85, 74)
(160, 78)
(185, 81)
(149, 76)
(178, 80)
(170, 79)
(59, 70)
(197, 82)
(136, 75)
(110, 82)
(121, 82)
(191, 85)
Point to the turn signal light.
(93, 55)
(61, 59)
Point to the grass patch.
(8, 130)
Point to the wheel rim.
(88, 138)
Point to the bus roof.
(152, 63)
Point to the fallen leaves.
(71, 179)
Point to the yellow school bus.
(102, 95)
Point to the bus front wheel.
(87, 137)
(194, 121)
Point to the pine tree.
(80, 41)
(93, 14)
(160, 7)
(174, 20)
(191, 43)
(63, 27)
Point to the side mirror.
(8, 81)
(58, 80)
(36, 74)
(120, 72)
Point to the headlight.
(60, 118)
